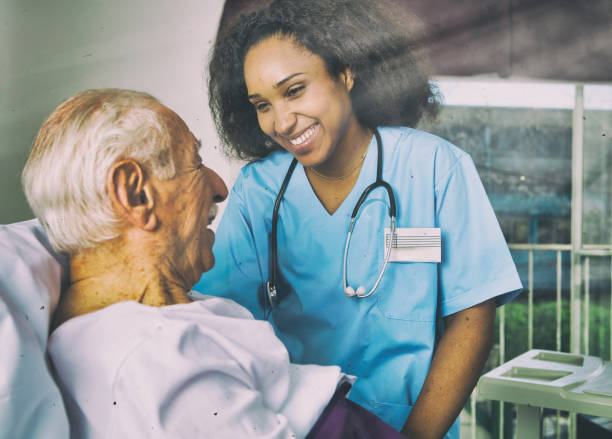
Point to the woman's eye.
(261, 106)
(293, 91)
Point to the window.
(536, 145)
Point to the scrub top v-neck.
(351, 199)
(386, 340)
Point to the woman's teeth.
(304, 137)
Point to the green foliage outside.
(545, 324)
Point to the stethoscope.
(272, 292)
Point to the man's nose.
(219, 189)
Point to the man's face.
(188, 206)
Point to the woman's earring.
(349, 79)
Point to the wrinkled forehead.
(184, 144)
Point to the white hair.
(65, 176)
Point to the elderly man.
(116, 180)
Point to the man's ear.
(347, 78)
(131, 194)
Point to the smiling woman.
(308, 113)
(302, 108)
(325, 94)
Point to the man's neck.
(99, 279)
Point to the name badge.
(414, 244)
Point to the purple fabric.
(344, 419)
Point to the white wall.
(49, 50)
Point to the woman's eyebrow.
(278, 84)
(282, 81)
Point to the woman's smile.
(306, 136)
(303, 142)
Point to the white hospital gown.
(205, 369)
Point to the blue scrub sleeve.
(476, 262)
(237, 273)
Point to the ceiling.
(564, 40)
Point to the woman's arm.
(455, 368)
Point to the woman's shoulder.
(410, 140)
(264, 174)
(273, 163)
(430, 153)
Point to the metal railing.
(580, 256)
(580, 326)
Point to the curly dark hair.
(391, 87)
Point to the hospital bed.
(30, 281)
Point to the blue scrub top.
(386, 340)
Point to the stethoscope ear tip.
(349, 292)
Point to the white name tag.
(415, 245)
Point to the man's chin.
(209, 263)
(211, 237)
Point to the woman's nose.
(285, 120)
(219, 189)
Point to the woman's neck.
(333, 180)
(347, 157)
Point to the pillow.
(30, 281)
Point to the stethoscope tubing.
(271, 285)
(382, 271)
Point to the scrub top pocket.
(409, 291)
